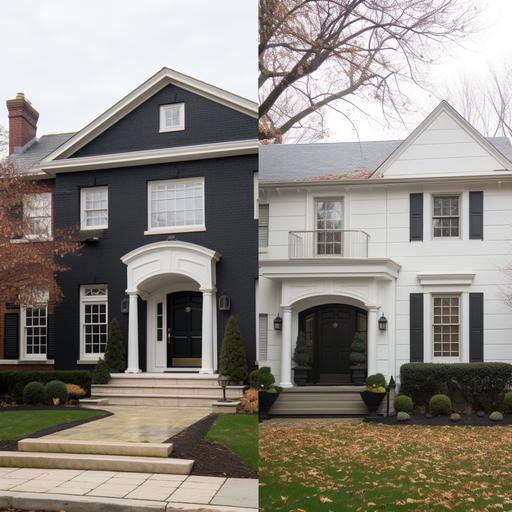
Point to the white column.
(372, 340)
(286, 349)
(133, 334)
(207, 334)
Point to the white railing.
(328, 243)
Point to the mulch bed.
(466, 420)
(210, 459)
(13, 444)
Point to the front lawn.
(18, 424)
(239, 433)
(332, 465)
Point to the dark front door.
(184, 329)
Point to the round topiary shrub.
(507, 401)
(403, 416)
(56, 389)
(440, 405)
(496, 416)
(254, 380)
(403, 403)
(33, 393)
(455, 417)
(377, 380)
(266, 379)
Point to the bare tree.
(340, 54)
(4, 143)
(28, 264)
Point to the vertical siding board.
(416, 327)
(476, 327)
(476, 215)
(416, 217)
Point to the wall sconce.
(383, 323)
(125, 304)
(224, 302)
(278, 323)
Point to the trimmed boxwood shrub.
(101, 374)
(440, 405)
(377, 380)
(403, 416)
(33, 393)
(403, 403)
(480, 384)
(254, 380)
(507, 401)
(13, 383)
(56, 389)
(496, 416)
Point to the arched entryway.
(331, 329)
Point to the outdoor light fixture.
(390, 387)
(125, 304)
(278, 323)
(223, 383)
(383, 323)
(224, 302)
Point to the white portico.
(156, 272)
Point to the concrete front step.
(95, 462)
(93, 401)
(171, 379)
(49, 445)
(165, 389)
(160, 400)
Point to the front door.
(184, 329)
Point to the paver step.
(165, 400)
(175, 379)
(96, 462)
(50, 445)
(136, 389)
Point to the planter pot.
(300, 376)
(358, 375)
(266, 401)
(372, 401)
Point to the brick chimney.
(22, 121)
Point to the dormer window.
(172, 117)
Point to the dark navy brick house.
(161, 189)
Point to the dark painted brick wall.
(231, 230)
(206, 121)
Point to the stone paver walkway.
(136, 424)
(236, 494)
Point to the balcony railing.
(328, 243)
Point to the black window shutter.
(476, 215)
(50, 337)
(416, 217)
(416, 327)
(476, 327)
(11, 336)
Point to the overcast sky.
(73, 60)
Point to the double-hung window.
(37, 212)
(172, 117)
(263, 225)
(34, 323)
(446, 217)
(329, 226)
(93, 320)
(176, 205)
(94, 208)
(446, 326)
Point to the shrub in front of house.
(403, 403)
(55, 392)
(75, 392)
(33, 393)
(507, 401)
(266, 380)
(249, 401)
(440, 405)
(481, 385)
(375, 381)
(254, 379)
(115, 353)
(496, 416)
(101, 374)
(233, 361)
(13, 383)
(403, 416)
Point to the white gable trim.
(139, 95)
(445, 107)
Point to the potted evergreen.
(233, 361)
(303, 357)
(268, 391)
(358, 360)
(374, 393)
(115, 353)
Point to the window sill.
(170, 231)
(29, 240)
(27, 361)
(93, 228)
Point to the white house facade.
(416, 232)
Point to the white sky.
(73, 60)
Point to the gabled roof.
(151, 86)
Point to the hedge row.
(12, 383)
(480, 384)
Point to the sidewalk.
(92, 490)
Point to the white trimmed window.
(263, 225)
(176, 205)
(262, 337)
(34, 324)
(172, 117)
(93, 321)
(94, 208)
(37, 210)
(446, 217)
(446, 326)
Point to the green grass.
(17, 424)
(332, 465)
(238, 433)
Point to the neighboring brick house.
(161, 190)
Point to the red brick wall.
(22, 121)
